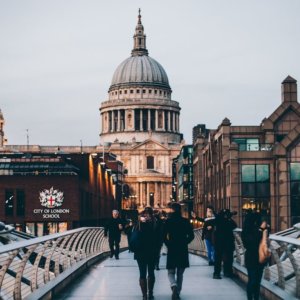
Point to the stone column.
(169, 120)
(163, 120)
(141, 120)
(156, 119)
(174, 121)
(119, 120)
(157, 196)
(147, 194)
(112, 120)
(149, 119)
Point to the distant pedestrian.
(145, 254)
(208, 234)
(224, 243)
(128, 230)
(113, 229)
(178, 233)
(160, 222)
(253, 228)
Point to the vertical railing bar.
(17, 286)
(34, 277)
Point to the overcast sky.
(224, 58)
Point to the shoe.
(157, 268)
(217, 276)
(111, 255)
(211, 263)
(117, 257)
(175, 295)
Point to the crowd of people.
(147, 234)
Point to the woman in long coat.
(178, 233)
(251, 236)
(150, 237)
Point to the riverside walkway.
(118, 279)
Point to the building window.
(131, 91)
(144, 91)
(20, 203)
(125, 92)
(247, 144)
(295, 192)
(9, 202)
(256, 188)
(150, 162)
(137, 91)
(150, 91)
(155, 92)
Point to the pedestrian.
(145, 254)
(253, 228)
(208, 234)
(128, 230)
(113, 229)
(224, 243)
(160, 222)
(178, 233)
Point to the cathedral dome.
(140, 69)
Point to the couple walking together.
(176, 233)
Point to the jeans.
(210, 250)
(254, 279)
(179, 277)
(144, 266)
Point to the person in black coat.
(146, 254)
(251, 236)
(178, 233)
(113, 229)
(224, 243)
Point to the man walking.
(114, 228)
(178, 233)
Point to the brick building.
(254, 167)
(48, 192)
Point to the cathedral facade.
(141, 125)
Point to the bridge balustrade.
(281, 275)
(30, 265)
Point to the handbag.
(264, 253)
(135, 240)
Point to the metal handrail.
(26, 266)
(283, 271)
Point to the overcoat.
(178, 233)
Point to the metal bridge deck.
(118, 279)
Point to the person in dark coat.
(207, 234)
(224, 243)
(150, 235)
(113, 229)
(178, 233)
(251, 236)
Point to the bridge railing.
(30, 265)
(282, 272)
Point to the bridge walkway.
(118, 280)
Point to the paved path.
(118, 280)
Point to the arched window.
(150, 162)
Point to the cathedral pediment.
(150, 144)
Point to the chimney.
(289, 90)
